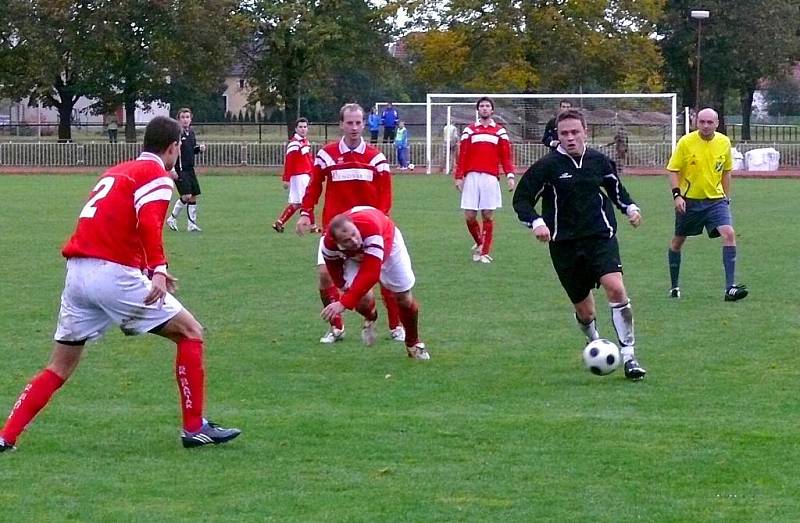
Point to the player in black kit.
(578, 188)
(186, 183)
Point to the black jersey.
(189, 148)
(576, 195)
(550, 133)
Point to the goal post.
(649, 121)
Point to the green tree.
(146, 46)
(47, 53)
(538, 45)
(742, 43)
(316, 55)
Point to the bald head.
(707, 122)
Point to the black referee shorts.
(581, 263)
(187, 183)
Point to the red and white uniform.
(297, 167)
(118, 235)
(352, 177)
(382, 257)
(482, 151)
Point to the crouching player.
(362, 247)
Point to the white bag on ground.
(738, 159)
(767, 159)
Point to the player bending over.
(361, 247)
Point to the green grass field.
(503, 424)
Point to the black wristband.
(676, 192)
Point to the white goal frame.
(431, 101)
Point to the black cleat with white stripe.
(634, 371)
(210, 434)
(6, 446)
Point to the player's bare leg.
(396, 330)
(474, 228)
(409, 316)
(328, 293)
(366, 308)
(187, 333)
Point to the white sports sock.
(588, 329)
(622, 318)
(192, 208)
(179, 205)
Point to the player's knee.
(727, 233)
(404, 299)
(677, 243)
(584, 312)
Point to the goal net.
(647, 124)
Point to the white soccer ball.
(601, 357)
(411, 166)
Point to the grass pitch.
(503, 424)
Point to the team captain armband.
(676, 192)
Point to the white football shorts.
(396, 272)
(297, 187)
(99, 293)
(481, 192)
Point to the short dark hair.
(184, 110)
(301, 120)
(562, 102)
(484, 99)
(338, 222)
(160, 133)
(571, 114)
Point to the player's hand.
(680, 205)
(542, 233)
(285, 185)
(554, 143)
(160, 284)
(331, 310)
(202, 147)
(511, 184)
(303, 226)
(635, 218)
(460, 184)
(173, 174)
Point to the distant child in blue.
(374, 124)
(401, 144)
(389, 119)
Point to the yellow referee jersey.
(700, 164)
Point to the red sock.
(191, 382)
(474, 229)
(409, 316)
(366, 308)
(392, 310)
(488, 236)
(288, 212)
(34, 397)
(328, 296)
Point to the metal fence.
(270, 155)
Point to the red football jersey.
(123, 220)
(299, 159)
(483, 148)
(377, 238)
(352, 177)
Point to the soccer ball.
(601, 357)
(411, 166)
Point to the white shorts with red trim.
(297, 187)
(481, 192)
(396, 272)
(99, 293)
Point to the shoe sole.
(739, 296)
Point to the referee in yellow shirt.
(700, 176)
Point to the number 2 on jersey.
(101, 191)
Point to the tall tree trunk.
(719, 99)
(65, 106)
(746, 97)
(130, 120)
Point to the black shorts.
(581, 263)
(711, 214)
(187, 183)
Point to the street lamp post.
(699, 16)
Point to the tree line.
(304, 57)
